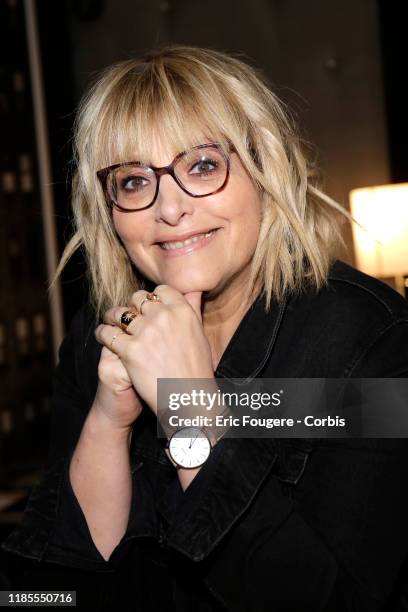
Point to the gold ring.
(150, 297)
(113, 339)
(126, 319)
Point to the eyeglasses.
(200, 171)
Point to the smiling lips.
(178, 244)
(186, 243)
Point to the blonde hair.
(190, 93)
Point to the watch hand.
(192, 440)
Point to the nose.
(172, 202)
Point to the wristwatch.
(189, 447)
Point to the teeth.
(170, 246)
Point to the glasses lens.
(132, 186)
(202, 171)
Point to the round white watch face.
(189, 447)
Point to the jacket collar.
(251, 345)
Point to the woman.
(211, 254)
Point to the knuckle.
(115, 313)
(103, 370)
(99, 333)
(184, 308)
(136, 295)
(145, 332)
(108, 314)
(127, 352)
(162, 317)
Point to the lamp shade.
(381, 248)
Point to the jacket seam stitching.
(271, 342)
(369, 291)
(300, 473)
(357, 360)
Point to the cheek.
(248, 219)
(129, 230)
(132, 233)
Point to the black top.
(267, 524)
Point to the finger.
(166, 294)
(114, 315)
(112, 337)
(109, 355)
(142, 299)
(194, 299)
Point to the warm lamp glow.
(382, 247)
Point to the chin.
(186, 285)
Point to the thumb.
(194, 299)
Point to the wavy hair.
(189, 93)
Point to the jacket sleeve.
(53, 528)
(335, 542)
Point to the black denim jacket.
(267, 524)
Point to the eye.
(204, 166)
(133, 183)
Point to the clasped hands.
(166, 341)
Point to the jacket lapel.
(251, 345)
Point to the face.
(226, 226)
